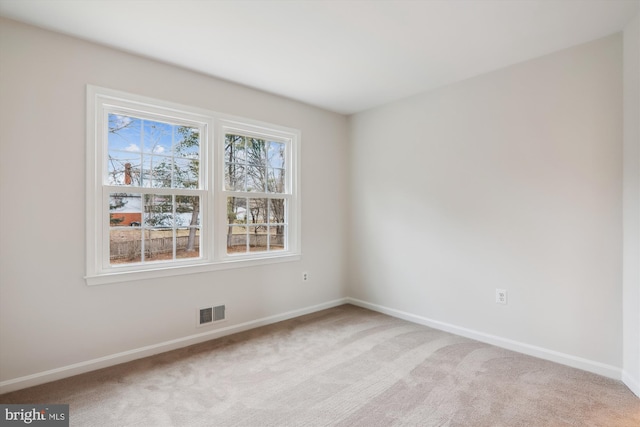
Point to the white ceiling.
(343, 55)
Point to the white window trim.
(213, 254)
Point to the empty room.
(320, 213)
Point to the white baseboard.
(631, 382)
(138, 353)
(531, 350)
(127, 356)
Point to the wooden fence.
(130, 249)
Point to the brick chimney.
(127, 173)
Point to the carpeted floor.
(344, 366)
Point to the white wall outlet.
(501, 296)
(305, 276)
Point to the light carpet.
(344, 366)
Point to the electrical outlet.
(501, 296)
(305, 277)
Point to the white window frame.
(245, 129)
(213, 127)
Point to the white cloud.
(117, 121)
(158, 149)
(133, 148)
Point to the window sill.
(168, 271)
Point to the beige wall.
(509, 180)
(49, 317)
(631, 213)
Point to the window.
(174, 190)
(256, 193)
(153, 187)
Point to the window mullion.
(257, 195)
(153, 190)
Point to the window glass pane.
(185, 173)
(124, 133)
(124, 235)
(123, 168)
(187, 211)
(234, 177)
(125, 209)
(188, 220)
(276, 181)
(125, 245)
(234, 149)
(277, 211)
(276, 155)
(255, 179)
(158, 211)
(237, 239)
(157, 137)
(188, 242)
(257, 211)
(277, 235)
(158, 244)
(256, 164)
(187, 142)
(156, 172)
(258, 238)
(236, 210)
